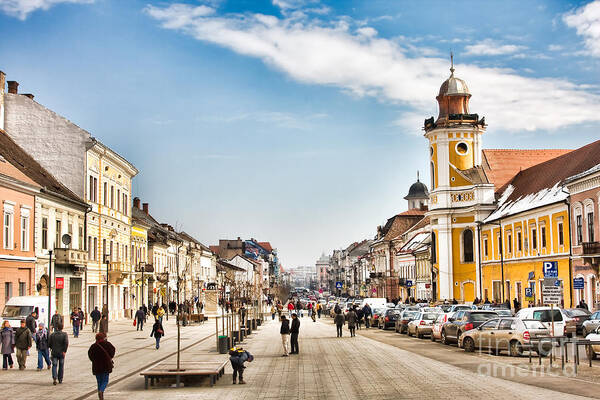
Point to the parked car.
(448, 308)
(593, 350)
(580, 315)
(388, 318)
(507, 334)
(436, 328)
(503, 312)
(591, 324)
(405, 317)
(563, 324)
(463, 321)
(422, 324)
(376, 314)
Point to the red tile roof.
(266, 246)
(501, 165)
(556, 170)
(412, 212)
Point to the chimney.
(13, 87)
(136, 202)
(145, 207)
(28, 95)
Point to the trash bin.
(236, 336)
(223, 344)
(253, 324)
(249, 326)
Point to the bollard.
(217, 331)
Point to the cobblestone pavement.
(332, 368)
(135, 349)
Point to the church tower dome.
(417, 194)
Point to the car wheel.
(469, 345)
(584, 332)
(419, 334)
(444, 338)
(544, 348)
(432, 337)
(515, 349)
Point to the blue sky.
(299, 121)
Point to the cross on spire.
(417, 175)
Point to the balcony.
(117, 272)
(591, 253)
(71, 258)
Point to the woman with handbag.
(101, 355)
(158, 332)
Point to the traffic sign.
(550, 269)
(552, 294)
(528, 293)
(578, 283)
(409, 283)
(338, 285)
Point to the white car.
(594, 349)
(563, 324)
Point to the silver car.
(506, 334)
(422, 324)
(591, 324)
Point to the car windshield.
(462, 307)
(529, 324)
(503, 313)
(16, 311)
(546, 316)
(410, 314)
(430, 316)
(446, 307)
(478, 317)
(391, 312)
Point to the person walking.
(294, 331)
(351, 319)
(238, 356)
(7, 339)
(103, 325)
(75, 322)
(58, 342)
(285, 334)
(23, 343)
(81, 318)
(339, 322)
(359, 317)
(101, 355)
(31, 323)
(95, 316)
(159, 314)
(139, 317)
(56, 320)
(272, 313)
(41, 344)
(290, 308)
(319, 309)
(367, 315)
(157, 331)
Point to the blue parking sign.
(528, 292)
(550, 269)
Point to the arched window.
(433, 249)
(432, 175)
(467, 245)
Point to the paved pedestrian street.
(326, 368)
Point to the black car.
(388, 319)
(462, 321)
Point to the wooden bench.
(212, 369)
(197, 318)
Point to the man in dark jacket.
(285, 334)
(238, 357)
(295, 330)
(75, 322)
(56, 320)
(339, 321)
(31, 322)
(22, 343)
(139, 316)
(101, 354)
(95, 316)
(367, 313)
(58, 342)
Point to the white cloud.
(332, 54)
(489, 47)
(586, 21)
(555, 47)
(22, 8)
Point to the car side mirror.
(450, 319)
(478, 328)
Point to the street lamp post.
(107, 262)
(142, 267)
(49, 291)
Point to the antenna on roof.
(451, 63)
(417, 175)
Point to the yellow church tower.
(460, 194)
